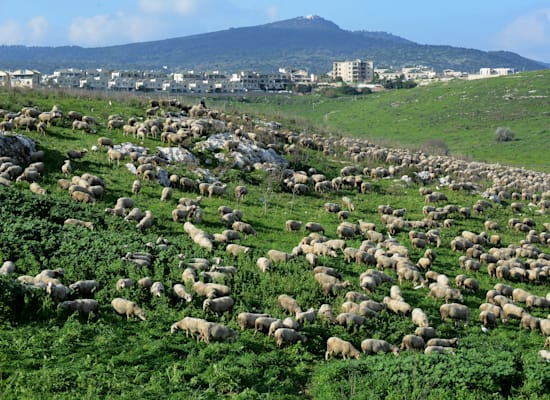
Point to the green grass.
(45, 354)
(462, 114)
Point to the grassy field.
(46, 354)
(462, 114)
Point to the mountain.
(311, 43)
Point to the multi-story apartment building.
(26, 78)
(353, 71)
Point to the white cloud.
(37, 29)
(181, 7)
(104, 30)
(11, 33)
(528, 35)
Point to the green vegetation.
(462, 114)
(46, 354)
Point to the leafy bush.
(503, 134)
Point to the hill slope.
(310, 43)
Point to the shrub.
(503, 134)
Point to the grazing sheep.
(181, 293)
(157, 289)
(288, 303)
(426, 332)
(511, 310)
(419, 317)
(412, 342)
(292, 225)
(439, 350)
(544, 326)
(218, 305)
(85, 288)
(341, 347)
(189, 325)
(7, 268)
(240, 192)
(128, 308)
(262, 324)
(57, 291)
(544, 355)
(488, 319)
(453, 342)
(306, 316)
(455, 311)
(326, 313)
(124, 283)
(264, 264)
(314, 227)
(146, 222)
(286, 336)
(236, 249)
(347, 203)
(243, 227)
(397, 306)
(375, 346)
(210, 331)
(246, 320)
(79, 222)
(83, 306)
(278, 256)
(166, 194)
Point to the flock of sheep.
(385, 258)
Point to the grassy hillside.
(46, 354)
(462, 114)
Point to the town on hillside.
(358, 73)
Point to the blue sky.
(522, 26)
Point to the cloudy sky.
(521, 26)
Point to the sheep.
(397, 306)
(277, 256)
(511, 310)
(211, 290)
(157, 289)
(306, 316)
(419, 317)
(236, 249)
(455, 311)
(57, 291)
(7, 268)
(181, 293)
(264, 264)
(213, 331)
(285, 336)
(83, 306)
(128, 308)
(544, 326)
(79, 222)
(347, 202)
(412, 342)
(262, 324)
(341, 347)
(85, 288)
(439, 350)
(246, 320)
(166, 194)
(146, 222)
(529, 322)
(216, 190)
(243, 227)
(218, 305)
(488, 318)
(326, 313)
(426, 332)
(453, 342)
(189, 325)
(82, 197)
(124, 283)
(314, 227)
(292, 225)
(375, 346)
(288, 303)
(240, 192)
(544, 355)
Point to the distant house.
(491, 73)
(353, 71)
(4, 79)
(25, 78)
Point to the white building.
(353, 71)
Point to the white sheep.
(341, 347)
(419, 317)
(128, 308)
(375, 346)
(246, 320)
(218, 305)
(181, 293)
(286, 336)
(288, 303)
(157, 289)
